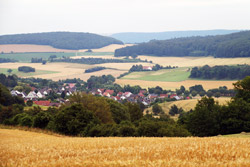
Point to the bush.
(26, 69)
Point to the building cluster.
(38, 96)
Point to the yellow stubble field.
(65, 70)
(25, 149)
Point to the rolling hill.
(229, 46)
(139, 37)
(61, 40)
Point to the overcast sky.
(112, 16)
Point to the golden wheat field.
(195, 61)
(176, 85)
(24, 149)
(188, 104)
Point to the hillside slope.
(139, 37)
(61, 40)
(231, 45)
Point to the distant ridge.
(61, 40)
(230, 45)
(139, 37)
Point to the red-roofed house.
(72, 85)
(110, 91)
(42, 103)
(149, 68)
(172, 96)
(163, 96)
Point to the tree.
(204, 120)
(9, 71)
(44, 62)
(157, 109)
(134, 56)
(217, 94)
(29, 103)
(242, 89)
(194, 93)
(182, 88)
(134, 111)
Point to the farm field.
(195, 61)
(187, 105)
(171, 75)
(59, 71)
(21, 48)
(176, 85)
(24, 148)
(30, 74)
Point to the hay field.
(176, 85)
(63, 70)
(24, 148)
(21, 48)
(195, 61)
(188, 104)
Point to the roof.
(42, 103)
(109, 91)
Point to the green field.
(22, 74)
(26, 57)
(168, 75)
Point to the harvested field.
(64, 70)
(24, 148)
(21, 48)
(109, 48)
(176, 85)
(195, 61)
(188, 104)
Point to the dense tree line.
(96, 60)
(209, 118)
(8, 81)
(26, 69)
(221, 72)
(61, 40)
(154, 68)
(94, 69)
(6, 60)
(232, 45)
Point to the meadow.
(25, 148)
(22, 74)
(170, 75)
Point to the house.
(119, 94)
(40, 95)
(177, 97)
(17, 93)
(140, 94)
(109, 91)
(106, 94)
(172, 96)
(32, 95)
(72, 85)
(127, 94)
(147, 68)
(162, 96)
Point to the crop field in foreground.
(23, 148)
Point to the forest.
(231, 45)
(220, 72)
(4, 60)
(61, 40)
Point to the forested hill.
(61, 40)
(139, 37)
(231, 45)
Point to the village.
(39, 96)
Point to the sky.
(113, 16)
